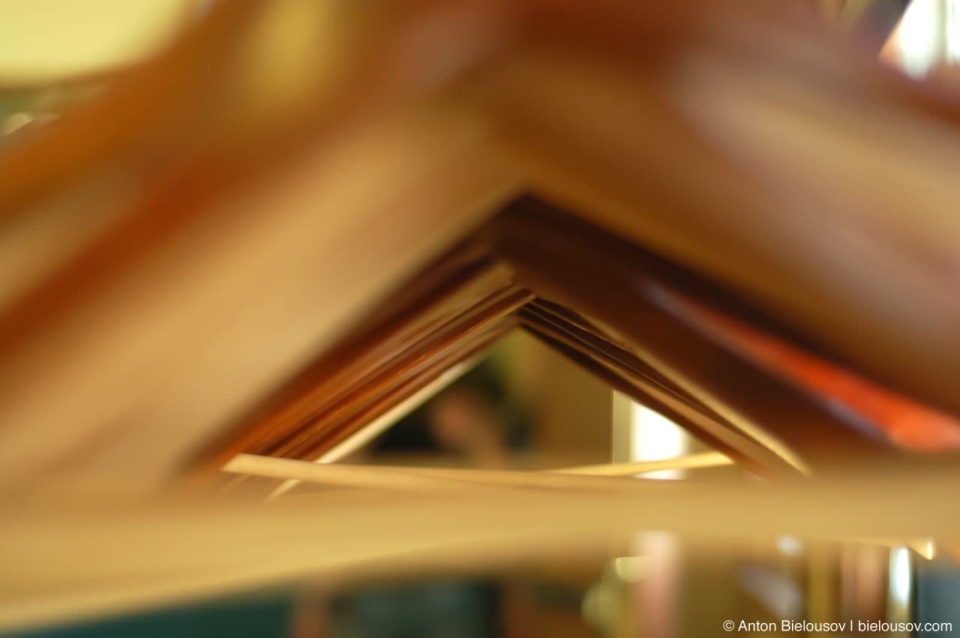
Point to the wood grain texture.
(753, 145)
(268, 244)
(585, 271)
(197, 549)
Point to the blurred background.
(522, 407)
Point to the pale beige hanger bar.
(690, 462)
(420, 478)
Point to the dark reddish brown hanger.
(667, 352)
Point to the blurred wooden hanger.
(219, 244)
(306, 215)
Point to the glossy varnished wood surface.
(250, 244)
(454, 310)
(634, 336)
(569, 265)
(626, 373)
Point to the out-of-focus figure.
(472, 422)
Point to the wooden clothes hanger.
(276, 258)
(108, 331)
(244, 250)
(653, 357)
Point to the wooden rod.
(691, 462)
(418, 478)
(421, 478)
